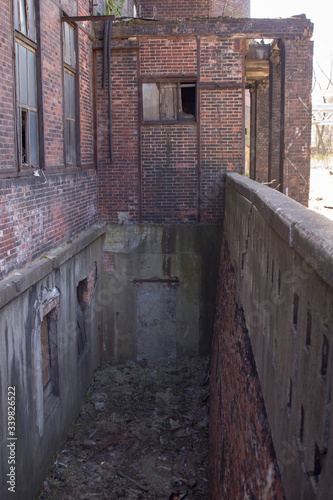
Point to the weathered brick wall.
(221, 120)
(242, 462)
(86, 98)
(7, 130)
(169, 173)
(169, 9)
(169, 152)
(168, 56)
(275, 127)
(262, 132)
(36, 216)
(297, 55)
(39, 212)
(119, 180)
(52, 83)
(235, 8)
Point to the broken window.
(26, 91)
(24, 18)
(174, 101)
(26, 86)
(69, 49)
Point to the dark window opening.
(319, 457)
(308, 330)
(324, 357)
(188, 101)
(301, 431)
(295, 310)
(82, 290)
(290, 395)
(170, 101)
(24, 132)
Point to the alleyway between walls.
(142, 433)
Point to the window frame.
(30, 39)
(26, 107)
(172, 80)
(72, 120)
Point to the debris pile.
(142, 433)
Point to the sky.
(320, 12)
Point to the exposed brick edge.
(242, 460)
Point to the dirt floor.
(142, 433)
(321, 185)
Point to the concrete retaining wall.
(159, 290)
(282, 255)
(49, 346)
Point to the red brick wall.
(40, 212)
(37, 216)
(262, 132)
(169, 153)
(86, 98)
(52, 83)
(168, 56)
(160, 175)
(7, 131)
(169, 9)
(221, 122)
(169, 173)
(119, 181)
(242, 462)
(298, 71)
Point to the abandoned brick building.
(123, 141)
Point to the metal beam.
(76, 19)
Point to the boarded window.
(49, 344)
(81, 290)
(169, 101)
(46, 357)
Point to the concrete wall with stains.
(159, 290)
(49, 374)
(281, 260)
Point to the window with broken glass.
(69, 48)
(26, 87)
(169, 101)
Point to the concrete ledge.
(308, 233)
(19, 281)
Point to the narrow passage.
(142, 433)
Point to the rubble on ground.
(142, 433)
